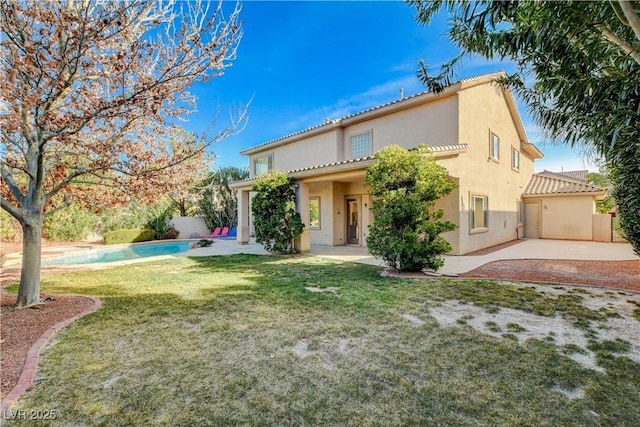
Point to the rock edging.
(33, 356)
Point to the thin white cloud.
(372, 97)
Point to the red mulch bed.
(21, 328)
(623, 275)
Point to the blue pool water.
(122, 253)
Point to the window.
(520, 212)
(262, 165)
(314, 213)
(479, 212)
(494, 147)
(361, 145)
(515, 159)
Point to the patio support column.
(303, 243)
(243, 217)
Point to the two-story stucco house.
(474, 130)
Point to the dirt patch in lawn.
(577, 343)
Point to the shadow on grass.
(240, 340)
(284, 280)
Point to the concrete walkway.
(526, 249)
(454, 265)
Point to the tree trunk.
(29, 292)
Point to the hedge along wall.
(190, 225)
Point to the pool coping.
(87, 248)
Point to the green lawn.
(239, 341)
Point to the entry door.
(532, 220)
(353, 226)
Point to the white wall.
(189, 225)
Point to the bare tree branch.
(613, 38)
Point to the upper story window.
(262, 165)
(360, 145)
(515, 159)
(494, 146)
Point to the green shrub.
(160, 224)
(406, 228)
(155, 217)
(626, 192)
(131, 216)
(70, 224)
(276, 221)
(128, 235)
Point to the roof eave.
(351, 165)
(596, 194)
(532, 150)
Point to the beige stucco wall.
(484, 110)
(566, 217)
(339, 214)
(324, 235)
(188, 225)
(602, 227)
(313, 151)
(333, 192)
(450, 205)
(434, 123)
(467, 117)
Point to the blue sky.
(301, 62)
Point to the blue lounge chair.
(230, 236)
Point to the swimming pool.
(121, 253)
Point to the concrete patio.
(525, 249)
(454, 265)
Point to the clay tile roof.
(580, 175)
(337, 122)
(434, 149)
(326, 165)
(450, 147)
(546, 183)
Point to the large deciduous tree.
(577, 68)
(405, 186)
(88, 92)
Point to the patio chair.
(223, 233)
(232, 235)
(215, 234)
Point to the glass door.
(353, 229)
